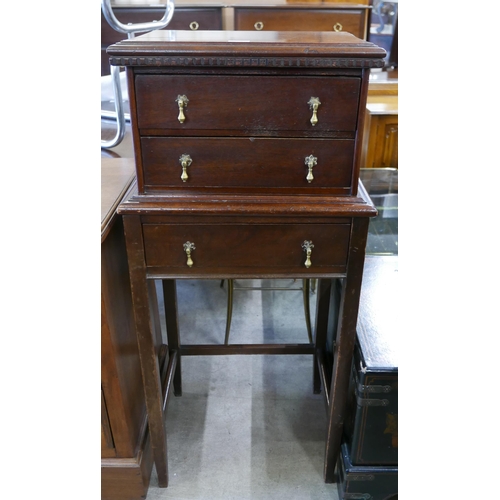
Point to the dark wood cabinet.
(349, 16)
(309, 17)
(126, 459)
(247, 155)
(184, 18)
(380, 138)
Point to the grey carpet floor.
(245, 427)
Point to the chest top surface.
(171, 47)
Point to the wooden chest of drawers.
(212, 125)
(247, 149)
(232, 133)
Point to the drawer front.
(245, 248)
(183, 19)
(352, 21)
(251, 105)
(247, 162)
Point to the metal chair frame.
(131, 30)
(306, 289)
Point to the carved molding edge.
(258, 62)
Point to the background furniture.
(380, 134)
(303, 17)
(194, 15)
(371, 429)
(365, 482)
(367, 466)
(190, 17)
(126, 458)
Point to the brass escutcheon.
(314, 103)
(185, 161)
(310, 161)
(337, 27)
(258, 25)
(307, 247)
(194, 25)
(188, 246)
(182, 101)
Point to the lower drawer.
(278, 164)
(291, 19)
(246, 249)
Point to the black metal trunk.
(362, 482)
(371, 425)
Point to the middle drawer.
(309, 166)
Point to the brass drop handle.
(310, 161)
(185, 161)
(314, 103)
(259, 25)
(194, 25)
(337, 27)
(182, 101)
(188, 246)
(308, 246)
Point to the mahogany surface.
(243, 206)
(250, 248)
(233, 102)
(307, 47)
(223, 163)
(349, 19)
(126, 458)
(205, 18)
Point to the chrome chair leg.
(306, 290)
(307, 311)
(230, 289)
(120, 114)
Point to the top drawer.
(256, 105)
(289, 19)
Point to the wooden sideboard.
(126, 458)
